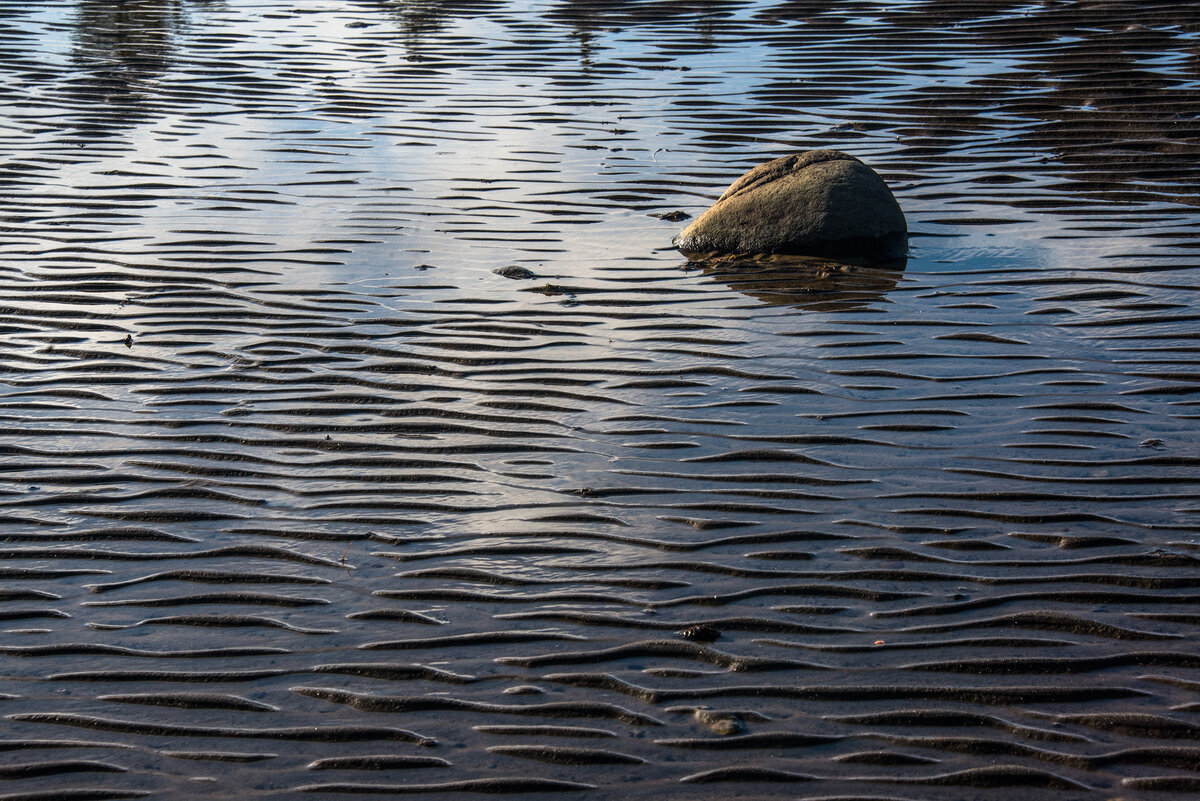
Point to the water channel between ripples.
(361, 432)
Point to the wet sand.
(301, 498)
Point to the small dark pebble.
(700, 633)
(513, 271)
(674, 216)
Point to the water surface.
(302, 498)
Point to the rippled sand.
(302, 498)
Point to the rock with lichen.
(816, 203)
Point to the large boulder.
(816, 203)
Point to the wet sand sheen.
(363, 436)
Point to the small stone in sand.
(701, 633)
(513, 271)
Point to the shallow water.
(301, 498)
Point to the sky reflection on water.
(263, 385)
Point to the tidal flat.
(362, 434)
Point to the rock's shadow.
(810, 283)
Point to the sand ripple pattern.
(361, 434)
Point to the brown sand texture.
(364, 436)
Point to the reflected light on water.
(354, 398)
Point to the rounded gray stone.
(515, 272)
(816, 203)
